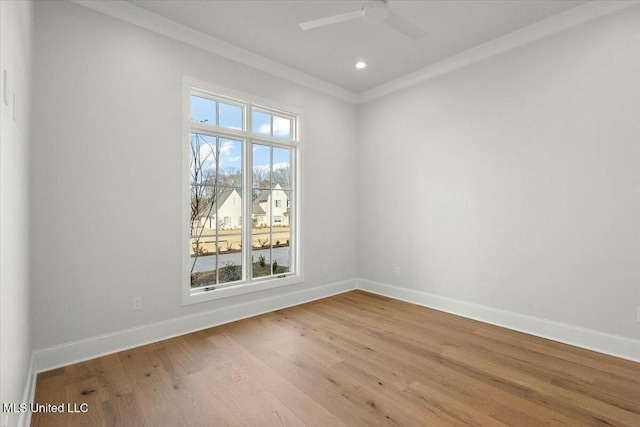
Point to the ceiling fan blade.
(330, 20)
(403, 26)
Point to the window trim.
(248, 285)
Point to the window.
(243, 164)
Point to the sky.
(230, 116)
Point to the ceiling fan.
(373, 12)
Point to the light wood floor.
(350, 360)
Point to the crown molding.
(570, 18)
(150, 21)
(536, 31)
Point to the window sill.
(197, 296)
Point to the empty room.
(323, 213)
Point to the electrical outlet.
(137, 303)
(325, 269)
(397, 270)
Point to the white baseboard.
(625, 348)
(77, 351)
(24, 418)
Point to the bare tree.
(204, 155)
(282, 176)
(260, 177)
(230, 177)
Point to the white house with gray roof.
(271, 207)
(229, 214)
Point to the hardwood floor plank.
(597, 361)
(122, 411)
(409, 367)
(50, 388)
(300, 404)
(555, 370)
(353, 359)
(111, 374)
(569, 402)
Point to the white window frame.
(248, 284)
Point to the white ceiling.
(269, 28)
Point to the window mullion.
(293, 225)
(271, 202)
(248, 184)
(217, 216)
(247, 225)
(207, 129)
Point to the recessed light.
(360, 65)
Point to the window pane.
(281, 168)
(281, 250)
(230, 258)
(203, 159)
(261, 166)
(203, 257)
(261, 255)
(202, 210)
(285, 210)
(261, 123)
(230, 163)
(281, 127)
(203, 244)
(279, 202)
(231, 271)
(230, 116)
(259, 208)
(211, 269)
(203, 110)
(229, 203)
(205, 276)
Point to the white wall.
(514, 183)
(15, 58)
(107, 158)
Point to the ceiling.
(269, 28)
